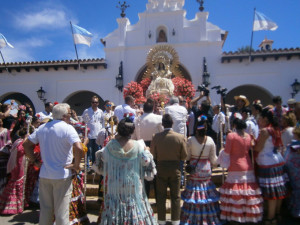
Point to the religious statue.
(161, 78)
(162, 66)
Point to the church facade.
(163, 25)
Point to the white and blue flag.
(81, 35)
(4, 42)
(261, 22)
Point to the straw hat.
(291, 101)
(242, 97)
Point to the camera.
(203, 88)
(221, 91)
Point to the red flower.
(135, 90)
(184, 88)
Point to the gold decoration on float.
(162, 56)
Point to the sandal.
(270, 221)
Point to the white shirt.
(121, 109)
(94, 120)
(179, 116)
(56, 139)
(217, 120)
(147, 125)
(252, 128)
(287, 136)
(44, 115)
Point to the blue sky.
(40, 29)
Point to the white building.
(269, 73)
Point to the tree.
(245, 49)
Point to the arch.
(252, 92)
(81, 100)
(183, 71)
(19, 98)
(161, 34)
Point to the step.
(92, 190)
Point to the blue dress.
(125, 201)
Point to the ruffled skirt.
(131, 211)
(200, 203)
(11, 199)
(78, 213)
(241, 199)
(273, 181)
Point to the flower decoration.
(184, 87)
(237, 115)
(22, 107)
(135, 90)
(55, 103)
(129, 117)
(202, 118)
(145, 84)
(158, 98)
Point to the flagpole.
(4, 62)
(75, 45)
(251, 37)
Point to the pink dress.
(241, 198)
(11, 198)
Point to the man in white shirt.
(217, 124)
(145, 127)
(128, 107)
(93, 117)
(252, 126)
(178, 114)
(47, 113)
(58, 142)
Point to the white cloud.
(45, 19)
(35, 42)
(23, 51)
(17, 54)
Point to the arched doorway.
(252, 92)
(81, 100)
(20, 99)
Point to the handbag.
(191, 169)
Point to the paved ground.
(32, 217)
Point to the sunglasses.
(108, 105)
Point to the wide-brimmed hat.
(291, 101)
(242, 97)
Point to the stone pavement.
(31, 216)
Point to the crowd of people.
(137, 150)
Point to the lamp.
(201, 8)
(173, 32)
(205, 75)
(123, 7)
(296, 88)
(41, 94)
(119, 78)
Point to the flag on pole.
(81, 35)
(261, 22)
(4, 42)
